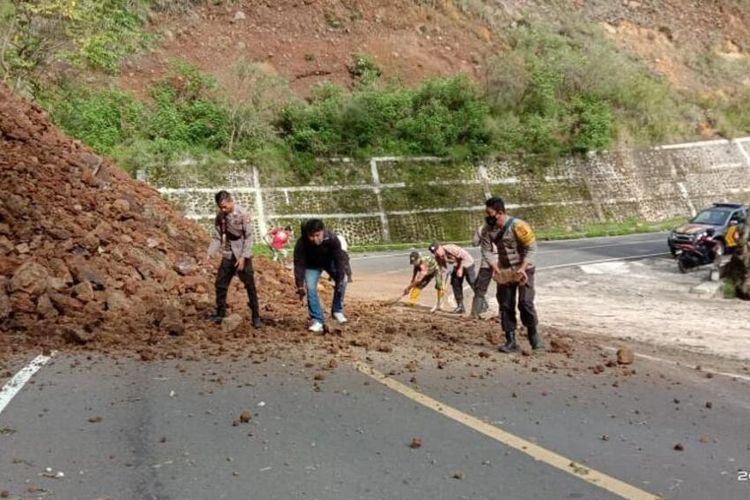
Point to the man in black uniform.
(232, 237)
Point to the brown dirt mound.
(92, 259)
(86, 253)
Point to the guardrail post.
(260, 213)
(384, 227)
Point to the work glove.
(301, 293)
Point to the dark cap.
(414, 257)
(434, 246)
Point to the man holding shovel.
(425, 269)
(514, 271)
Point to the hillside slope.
(694, 44)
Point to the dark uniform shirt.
(233, 234)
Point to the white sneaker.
(340, 317)
(316, 327)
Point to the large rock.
(84, 291)
(65, 303)
(86, 271)
(172, 322)
(625, 356)
(5, 307)
(45, 308)
(231, 323)
(77, 335)
(121, 205)
(30, 278)
(185, 266)
(117, 301)
(22, 302)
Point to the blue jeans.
(312, 277)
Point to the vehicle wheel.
(673, 251)
(682, 266)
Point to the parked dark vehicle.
(723, 218)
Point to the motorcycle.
(702, 251)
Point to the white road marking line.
(648, 239)
(533, 450)
(681, 365)
(14, 385)
(613, 259)
(584, 263)
(575, 249)
(384, 256)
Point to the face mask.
(491, 221)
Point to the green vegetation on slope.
(553, 93)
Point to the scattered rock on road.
(625, 356)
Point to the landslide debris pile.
(86, 253)
(90, 258)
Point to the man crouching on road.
(463, 268)
(319, 250)
(232, 237)
(516, 248)
(424, 269)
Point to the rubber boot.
(476, 307)
(510, 343)
(535, 340)
(414, 296)
(258, 323)
(460, 309)
(484, 307)
(439, 304)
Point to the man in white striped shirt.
(463, 268)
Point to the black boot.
(535, 340)
(510, 343)
(217, 318)
(459, 309)
(257, 322)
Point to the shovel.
(396, 301)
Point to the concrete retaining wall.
(392, 199)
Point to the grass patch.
(729, 289)
(608, 229)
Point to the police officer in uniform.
(516, 249)
(232, 237)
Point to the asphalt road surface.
(551, 253)
(94, 427)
